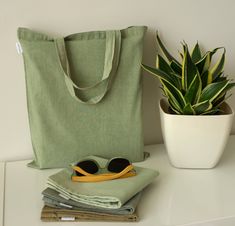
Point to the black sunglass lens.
(88, 166)
(118, 164)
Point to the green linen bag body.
(84, 95)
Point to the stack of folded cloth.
(113, 200)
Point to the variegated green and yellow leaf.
(213, 90)
(161, 74)
(194, 90)
(211, 112)
(181, 55)
(188, 110)
(218, 67)
(165, 51)
(219, 100)
(164, 66)
(220, 78)
(229, 86)
(206, 78)
(193, 87)
(189, 69)
(176, 67)
(174, 94)
(222, 97)
(196, 53)
(174, 107)
(204, 64)
(202, 107)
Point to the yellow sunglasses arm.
(103, 177)
(80, 170)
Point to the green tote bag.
(84, 95)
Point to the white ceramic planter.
(195, 141)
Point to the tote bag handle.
(111, 60)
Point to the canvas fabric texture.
(106, 194)
(84, 95)
(53, 198)
(53, 214)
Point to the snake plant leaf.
(174, 107)
(176, 67)
(206, 78)
(196, 53)
(189, 69)
(213, 90)
(209, 78)
(219, 100)
(188, 110)
(216, 49)
(161, 74)
(204, 64)
(192, 95)
(174, 94)
(181, 54)
(220, 78)
(193, 87)
(222, 100)
(164, 66)
(211, 112)
(202, 107)
(165, 51)
(163, 91)
(176, 75)
(218, 67)
(222, 97)
(229, 86)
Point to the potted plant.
(195, 119)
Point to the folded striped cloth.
(107, 194)
(50, 214)
(53, 199)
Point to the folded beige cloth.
(56, 214)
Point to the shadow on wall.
(151, 92)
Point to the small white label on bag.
(65, 205)
(67, 218)
(19, 48)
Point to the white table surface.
(177, 197)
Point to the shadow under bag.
(84, 95)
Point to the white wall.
(211, 22)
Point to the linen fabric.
(53, 198)
(84, 95)
(54, 214)
(106, 194)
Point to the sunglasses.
(118, 167)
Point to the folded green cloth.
(107, 194)
(53, 198)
